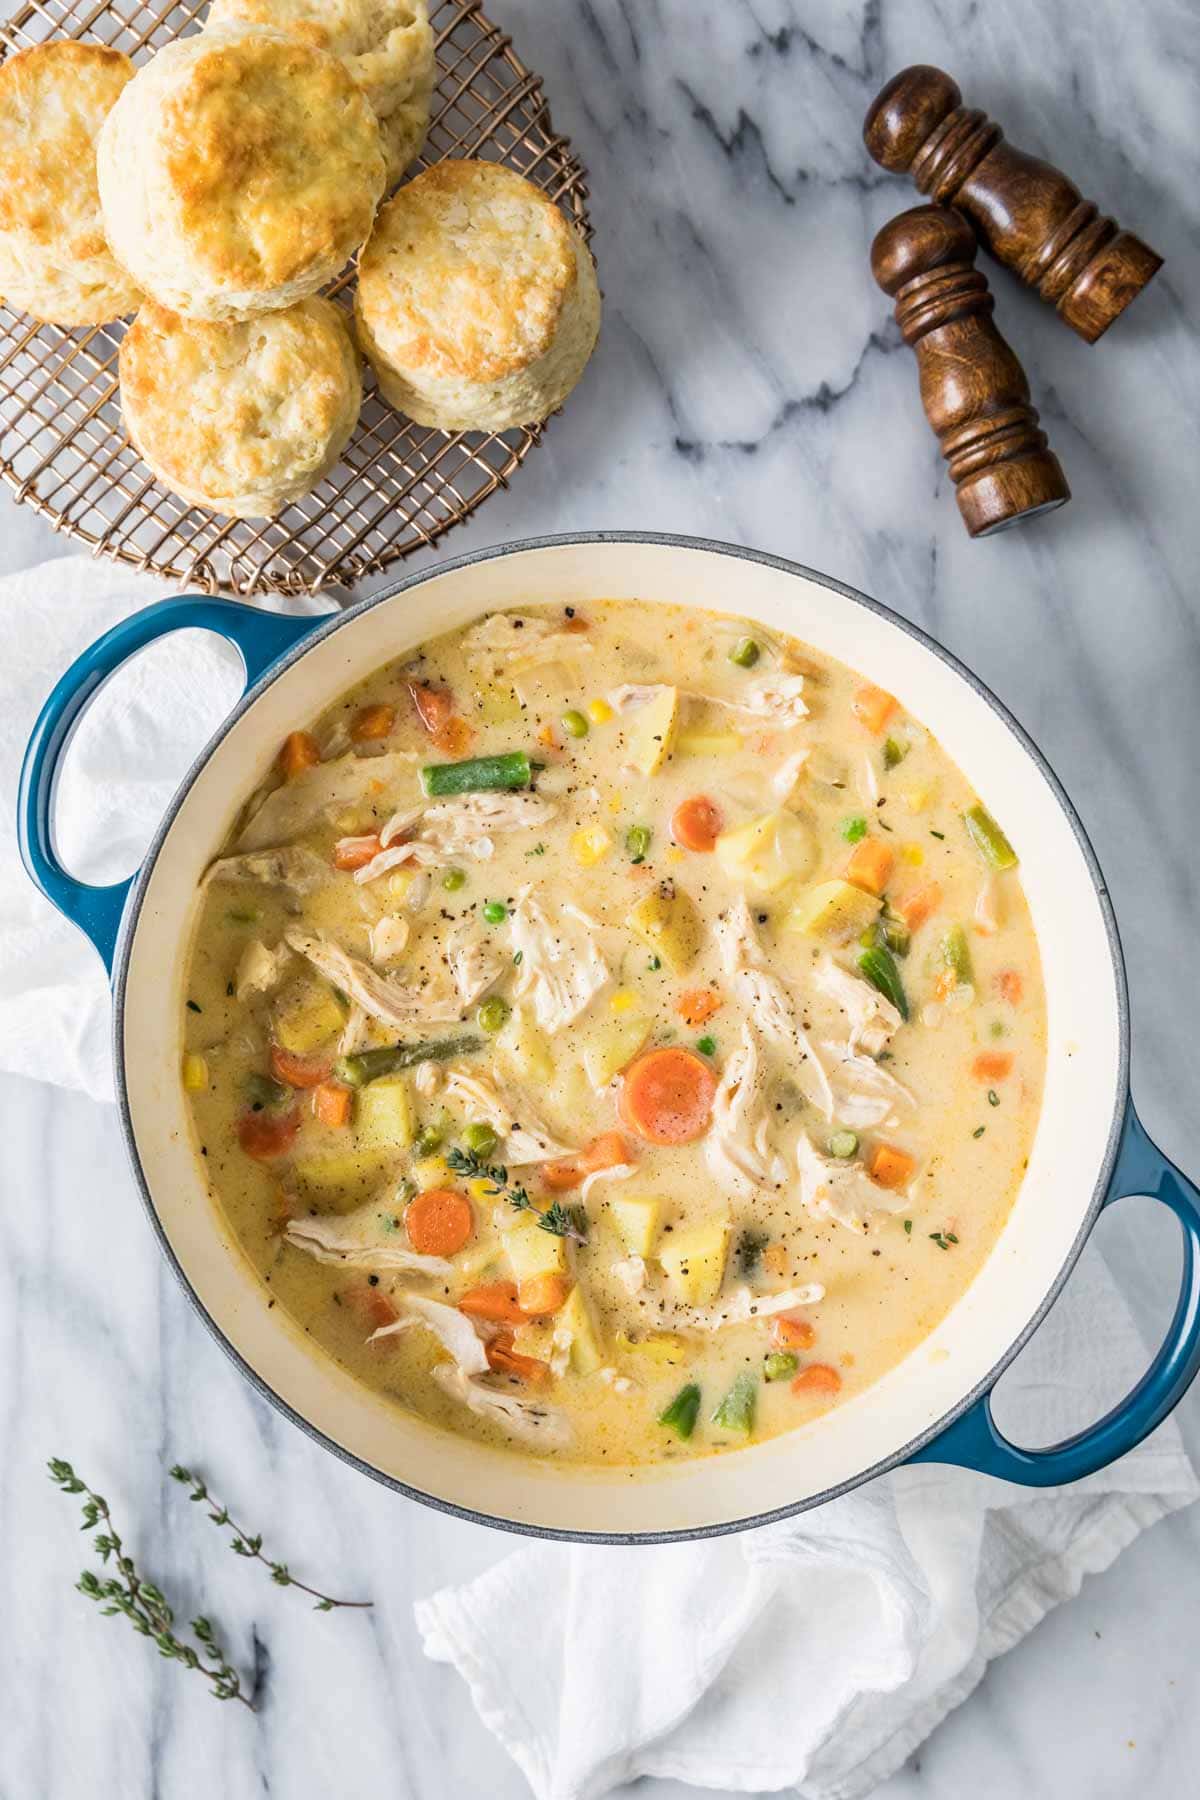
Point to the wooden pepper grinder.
(973, 388)
(1028, 214)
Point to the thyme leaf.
(562, 1221)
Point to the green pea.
(779, 1364)
(574, 723)
(454, 879)
(843, 1143)
(637, 842)
(493, 1015)
(480, 1139)
(853, 828)
(427, 1140)
(495, 912)
(745, 653)
(707, 1046)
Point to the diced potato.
(834, 910)
(666, 919)
(570, 1093)
(532, 1251)
(708, 743)
(657, 1346)
(522, 1050)
(694, 1260)
(651, 734)
(498, 705)
(586, 1354)
(636, 1220)
(383, 1117)
(345, 1175)
(307, 1016)
(610, 1043)
(536, 1339)
(766, 853)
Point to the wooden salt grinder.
(973, 388)
(1028, 214)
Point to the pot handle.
(260, 637)
(974, 1440)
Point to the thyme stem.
(243, 1544)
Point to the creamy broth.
(736, 1020)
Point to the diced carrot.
(562, 1174)
(454, 738)
(577, 624)
(916, 907)
(495, 1300)
(439, 1222)
(547, 737)
(696, 823)
(667, 1096)
(870, 864)
(539, 1295)
(435, 708)
(873, 707)
(775, 1259)
(369, 1304)
(1010, 987)
(507, 1361)
(944, 984)
(698, 1005)
(608, 1151)
(817, 1378)
(300, 751)
(299, 1071)
(378, 721)
(356, 852)
(267, 1134)
(331, 1104)
(992, 1065)
(891, 1168)
(793, 1334)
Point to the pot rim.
(710, 546)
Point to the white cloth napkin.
(134, 743)
(816, 1654)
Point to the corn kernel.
(599, 712)
(912, 854)
(590, 845)
(918, 797)
(615, 803)
(673, 854)
(399, 883)
(195, 1074)
(623, 1001)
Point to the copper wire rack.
(399, 486)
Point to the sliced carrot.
(267, 1134)
(369, 1304)
(608, 1151)
(356, 852)
(696, 823)
(817, 1378)
(891, 1168)
(873, 707)
(439, 1222)
(495, 1300)
(1010, 987)
(920, 905)
(507, 1361)
(870, 864)
(698, 1005)
(299, 751)
(378, 721)
(992, 1065)
(539, 1295)
(299, 1071)
(331, 1104)
(667, 1096)
(793, 1334)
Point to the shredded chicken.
(289, 810)
(988, 909)
(630, 1271)
(873, 1019)
(786, 778)
(770, 1007)
(865, 1094)
(389, 938)
(427, 1078)
(506, 638)
(544, 1426)
(365, 1238)
(738, 1148)
(560, 968)
(474, 961)
(615, 1172)
(526, 1138)
(776, 696)
(379, 997)
(400, 824)
(291, 866)
(259, 969)
(831, 1188)
(740, 1307)
(456, 824)
(453, 1330)
(412, 851)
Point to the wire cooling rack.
(63, 446)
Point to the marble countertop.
(749, 385)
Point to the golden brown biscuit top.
(467, 272)
(53, 100)
(272, 159)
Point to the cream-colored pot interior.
(1083, 1082)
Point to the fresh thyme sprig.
(562, 1221)
(139, 1601)
(243, 1544)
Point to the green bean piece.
(574, 723)
(493, 1015)
(955, 954)
(778, 1365)
(988, 838)
(745, 653)
(495, 912)
(736, 1411)
(480, 1139)
(243, 915)
(879, 966)
(853, 828)
(480, 775)
(637, 842)
(680, 1417)
(453, 879)
(264, 1094)
(889, 930)
(894, 752)
(843, 1143)
(368, 1065)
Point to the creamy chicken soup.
(615, 1033)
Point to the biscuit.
(386, 45)
(239, 171)
(477, 301)
(241, 417)
(54, 261)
